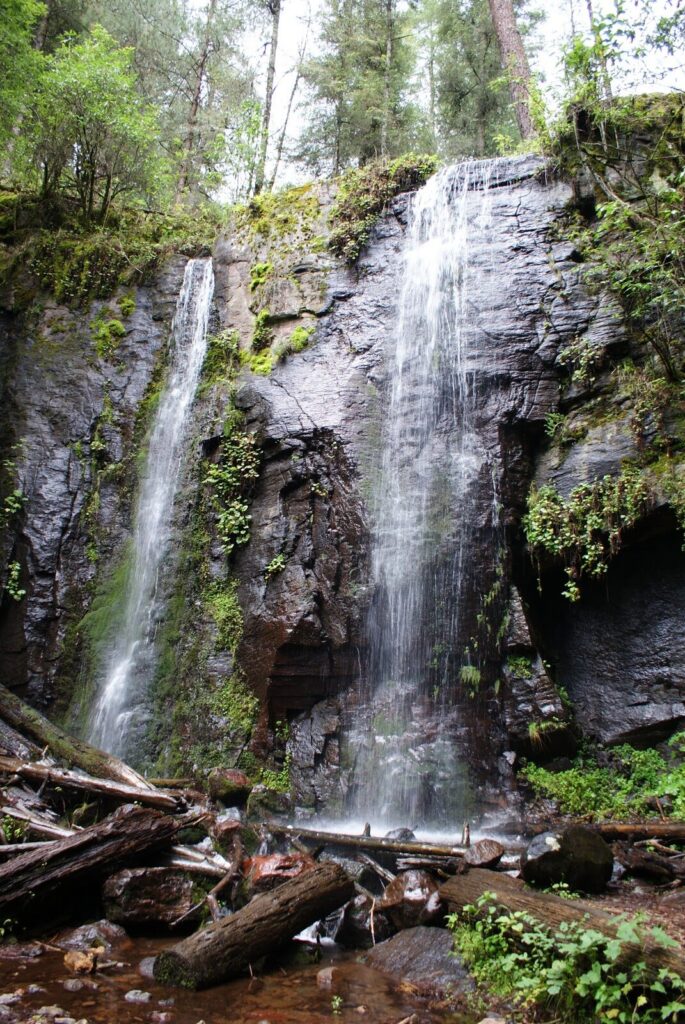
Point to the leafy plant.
(586, 529)
(278, 780)
(259, 273)
(12, 584)
(263, 333)
(275, 566)
(576, 973)
(229, 481)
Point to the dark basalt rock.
(362, 924)
(150, 897)
(577, 856)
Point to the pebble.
(72, 985)
(136, 996)
(145, 967)
(10, 998)
(51, 1011)
(324, 978)
(35, 990)
(158, 1017)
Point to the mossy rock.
(229, 786)
(263, 803)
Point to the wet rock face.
(70, 409)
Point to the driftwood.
(649, 864)
(74, 752)
(127, 832)
(368, 844)
(667, 831)
(13, 744)
(120, 791)
(552, 911)
(227, 947)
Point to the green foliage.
(364, 192)
(261, 363)
(127, 305)
(583, 359)
(297, 342)
(88, 133)
(20, 62)
(12, 583)
(228, 481)
(275, 566)
(106, 334)
(274, 216)
(259, 274)
(574, 973)
(625, 788)
(13, 830)
(585, 530)
(12, 498)
(278, 780)
(221, 359)
(520, 666)
(470, 676)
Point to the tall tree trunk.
(191, 123)
(275, 8)
(387, 68)
(514, 61)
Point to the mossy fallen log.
(74, 752)
(227, 947)
(552, 911)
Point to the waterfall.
(130, 662)
(403, 744)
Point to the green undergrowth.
(572, 973)
(363, 194)
(626, 784)
(77, 265)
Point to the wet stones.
(150, 896)
(576, 856)
(412, 899)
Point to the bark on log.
(74, 752)
(551, 911)
(101, 787)
(127, 832)
(366, 843)
(669, 831)
(227, 947)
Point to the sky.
(546, 54)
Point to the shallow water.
(284, 995)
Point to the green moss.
(221, 359)
(263, 333)
(127, 305)
(107, 333)
(261, 363)
(236, 704)
(259, 273)
(364, 192)
(272, 216)
(521, 667)
(223, 605)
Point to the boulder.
(401, 835)
(576, 855)
(150, 896)
(263, 803)
(486, 853)
(229, 786)
(424, 957)
(265, 873)
(363, 924)
(412, 899)
(104, 934)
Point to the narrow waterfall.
(404, 739)
(130, 662)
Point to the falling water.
(131, 659)
(405, 739)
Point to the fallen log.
(227, 947)
(552, 911)
(366, 843)
(13, 744)
(77, 753)
(668, 831)
(648, 864)
(122, 792)
(35, 823)
(127, 832)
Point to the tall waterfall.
(404, 741)
(130, 662)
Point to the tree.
(274, 9)
(514, 62)
(358, 89)
(19, 61)
(89, 132)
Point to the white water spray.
(130, 662)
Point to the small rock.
(402, 835)
(493, 1020)
(35, 990)
(486, 853)
(102, 933)
(161, 1017)
(10, 998)
(146, 966)
(72, 985)
(324, 977)
(136, 996)
(51, 1011)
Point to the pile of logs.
(49, 853)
